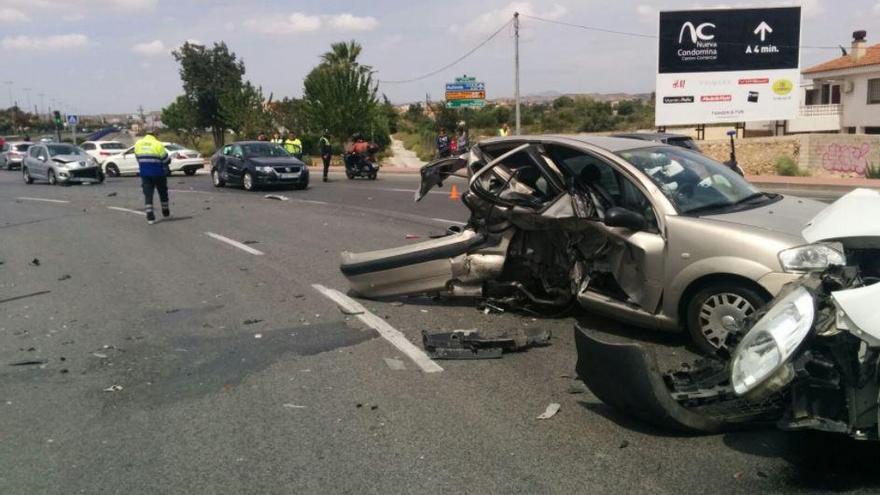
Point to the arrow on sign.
(763, 29)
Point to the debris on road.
(410, 237)
(63, 278)
(294, 406)
(251, 322)
(16, 298)
(113, 388)
(258, 336)
(470, 344)
(30, 362)
(100, 355)
(624, 444)
(277, 197)
(395, 364)
(350, 311)
(397, 304)
(487, 307)
(551, 410)
(576, 387)
(35, 262)
(251, 242)
(111, 195)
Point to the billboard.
(728, 65)
(465, 92)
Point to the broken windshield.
(691, 181)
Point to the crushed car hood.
(786, 216)
(70, 158)
(853, 220)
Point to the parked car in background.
(60, 163)
(650, 234)
(12, 153)
(253, 164)
(680, 140)
(101, 150)
(182, 160)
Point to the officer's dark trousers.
(149, 184)
(326, 159)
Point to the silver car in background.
(13, 153)
(60, 163)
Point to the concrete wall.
(822, 155)
(856, 112)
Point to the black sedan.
(254, 164)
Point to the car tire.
(719, 308)
(112, 170)
(373, 175)
(26, 175)
(216, 179)
(247, 182)
(300, 187)
(51, 179)
(189, 172)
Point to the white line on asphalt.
(43, 199)
(126, 210)
(234, 243)
(312, 201)
(389, 333)
(411, 191)
(188, 191)
(443, 220)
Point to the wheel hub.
(721, 314)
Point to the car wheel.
(349, 174)
(304, 185)
(719, 309)
(247, 181)
(373, 175)
(112, 170)
(189, 172)
(26, 175)
(51, 178)
(216, 179)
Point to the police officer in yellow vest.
(293, 145)
(153, 162)
(504, 131)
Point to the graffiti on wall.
(845, 158)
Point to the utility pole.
(11, 103)
(42, 106)
(516, 58)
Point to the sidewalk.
(831, 184)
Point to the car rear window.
(22, 147)
(112, 146)
(173, 147)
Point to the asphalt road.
(233, 374)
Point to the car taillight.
(14, 153)
(105, 153)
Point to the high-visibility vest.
(151, 156)
(503, 132)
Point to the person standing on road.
(443, 144)
(153, 162)
(293, 145)
(463, 138)
(326, 152)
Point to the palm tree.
(345, 53)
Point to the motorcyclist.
(357, 150)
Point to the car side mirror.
(42, 158)
(621, 217)
(238, 156)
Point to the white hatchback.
(182, 160)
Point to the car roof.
(652, 135)
(607, 143)
(251, 142)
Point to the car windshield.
(64, 149)
(21, 147)
(112, 146)
(254, 150)
(693, 182)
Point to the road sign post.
(72, 120)
(465, 92)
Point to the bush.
(787, 167)
(872, 172)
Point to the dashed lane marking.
(234, 243)
(126, 210)
(45, 200)
(443, 220)
(389, 333)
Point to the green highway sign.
(465, 103)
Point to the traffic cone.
(453, 193)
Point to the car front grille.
(90, 173)
(288, 170)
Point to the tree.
(180, 116)
(209, 74)
(340, 95)
(245, 110)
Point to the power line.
(652, 36)
(459, 59)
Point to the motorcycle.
(362, 164)
(810, 360)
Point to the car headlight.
(265, 170)
(811, 257)
(772, 341)
(93, 162)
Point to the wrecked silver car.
(810, 360)
(650, 234)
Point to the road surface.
(203, 355)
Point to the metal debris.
(113, 388)
(551, 411)
(30, 362)
(251, 322)
(35, 262)
(294, 406)
(470, 344)
(64, 277)
(16, 298)
(395, 364)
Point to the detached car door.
(128, 163)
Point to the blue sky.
(113, 55)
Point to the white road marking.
(234, 243)
(443, 220)
(411, 191)
(43, 199)
(389, 333)
(312, 201)
(188, 191)
(126, 210)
